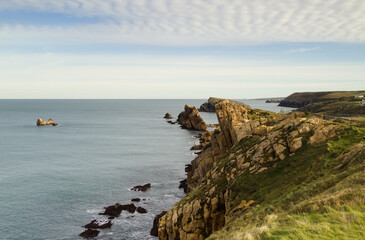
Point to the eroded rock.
(141, 188)
(191, 119)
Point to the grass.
(346, 223)
(318, 193)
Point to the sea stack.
(191, 119)
(41, 122)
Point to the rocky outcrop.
(116, 209)
(154, 230)
(209, 106)
(41, 122)
(247, 141)
(141, 188)
(191, 119)
(168, 116)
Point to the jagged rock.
(154, 230)
(116, 209)
(141, 210)
(322, 133)
(168, 116)
(191, 119)
(41, 122)
(142, 188)
(295, 144)
(89, 233)
(98, 224)
(183, 185)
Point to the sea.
(54, 180)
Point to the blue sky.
(179, 48)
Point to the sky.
(128, 49)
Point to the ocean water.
(53, 180)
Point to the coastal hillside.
(263, 175)
(339, 103)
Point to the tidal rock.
(196, 147)
(154, 230)
(136, 200)
(98, 224)
(89, 233)
(41, 122)
(191, 119)
(116, 209)
(171, 122)
(184, 185)
(141, 210)
(168, 116)
(141, 188)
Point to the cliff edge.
(260, 171)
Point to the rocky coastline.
(247, 142)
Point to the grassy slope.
(330, 103)
(318, 193)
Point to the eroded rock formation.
(246, 141)
(191, 119)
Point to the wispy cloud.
(303, 50)
(186, 22)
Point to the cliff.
(209, 106)
(341, 103)
(258, 169)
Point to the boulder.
(168, 116)
(89, 233)
(154, 230)
(98, 224)
(136, 200)
(116, 209)
(141, 188)
(141, 210)
(191, 119)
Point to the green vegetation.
(337, 103)
(317, 193)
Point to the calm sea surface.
(53, 180)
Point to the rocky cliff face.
(246, 142)
(191, 119)
(209, 106)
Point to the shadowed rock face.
(154, 230)
(191, 119)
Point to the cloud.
(187, 22)
(302, 50)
